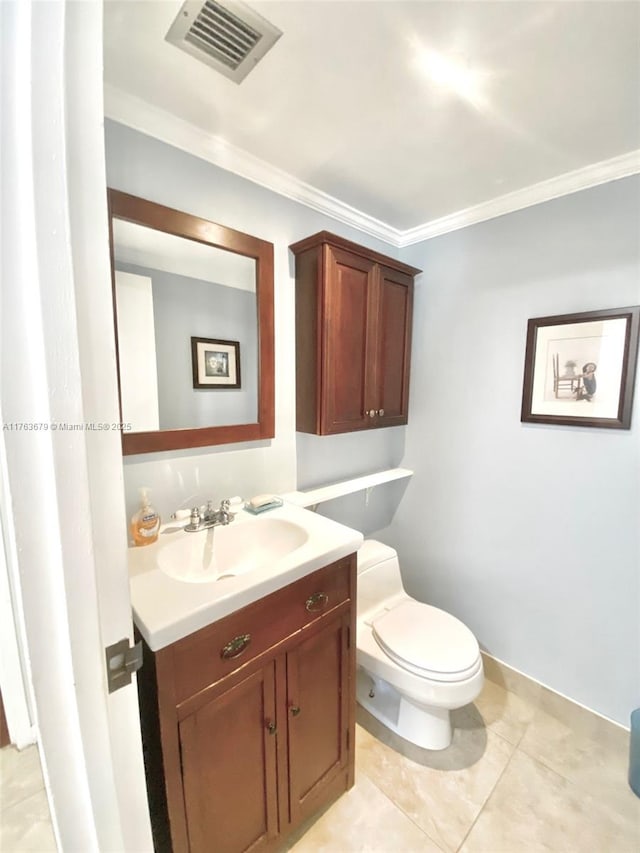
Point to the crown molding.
(142, 116)
(571, 182)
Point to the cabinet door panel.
(348, 345)
(353, 336)
(317, 672)
(396, 292)
(229, 768)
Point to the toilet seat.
(427, 641)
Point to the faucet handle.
(224, 513)
(195, 516)
(180, 514)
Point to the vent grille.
(223, 35)
(229, 36)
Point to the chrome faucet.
(210, 517)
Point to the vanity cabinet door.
(228, 750)
(318, 704)
(238, 751)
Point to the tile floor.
(523, 775)
(535, 775)
(25, 824)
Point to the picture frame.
(580, 368)
(215, 363)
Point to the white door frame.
(15, 677)
(66, 496)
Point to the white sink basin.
(228, 551)
(185, 581)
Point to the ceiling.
(544, 98)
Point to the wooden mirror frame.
(152, 215)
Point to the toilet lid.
(427, 641)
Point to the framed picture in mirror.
(216, 363)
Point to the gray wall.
(151, 169)
(184, 307)
(529, 533)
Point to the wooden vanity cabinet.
(239, 750)
(353, 336)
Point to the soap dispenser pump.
(145, 524)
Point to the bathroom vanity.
(248, 721)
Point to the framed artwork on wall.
(579, 369)
(215, 363)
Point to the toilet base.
(429, 728)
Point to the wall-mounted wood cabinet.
(248, 724)
(353, 336)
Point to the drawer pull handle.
(295, 710)
(272, 728)
(235, 647)
(316, 602)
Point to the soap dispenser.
(145, 524)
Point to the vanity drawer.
(217, 650)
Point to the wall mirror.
(193, 313)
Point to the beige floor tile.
(584, 722)
(26, 826)
(363, 821)
(534, 810)
(599, 769)
(502, 712)
(20, 775)
(442, 792)
(512, 680)
(578, 718)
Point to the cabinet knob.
(372, 413)
(316, 602)
(381, 412)
(271, 727)
(235, 647)
(295, 710)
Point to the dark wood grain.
(229, 768)
(143, 212)
(197, 658)
(349, 342)
(228, 783)
(394, 365)
(319, 730)
(308, 352)
(355, 248)
(353, 336)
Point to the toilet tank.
(379, 578)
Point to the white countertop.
(167, 609)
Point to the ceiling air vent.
(227, 35)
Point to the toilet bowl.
(416, 663)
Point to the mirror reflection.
(193, 312)
(187, 331)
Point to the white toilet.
(415, 662)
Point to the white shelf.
(346, 487)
